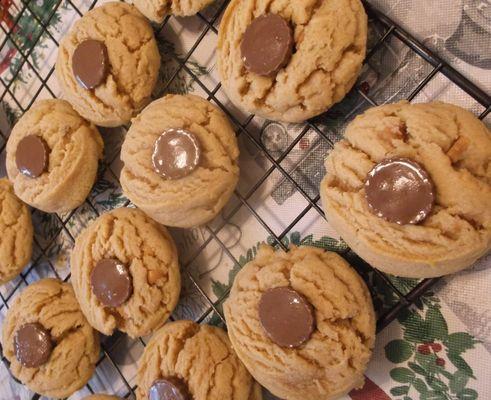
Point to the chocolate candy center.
(400, 191)
(32, 345)
(111, 282)
(168, 389)
(286, 316)
(90, 63)
(31, 156)
(176, 153)
(267, 45)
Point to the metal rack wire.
(391, 30)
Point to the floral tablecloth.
(439, 348)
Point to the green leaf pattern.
(431, 359)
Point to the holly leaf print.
(460, 342)
(436, 325)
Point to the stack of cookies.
(409, 189)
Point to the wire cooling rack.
(429, 63)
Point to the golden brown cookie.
(113, 77)
(125, 273)
(51, 347)
(16, 233)
(157, 10)
(315, 71)
(454, 148)
(101, 397)
(202, 140)
(302, 322)
(197, 360)
(52, 156)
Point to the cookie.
(157, 10)
(125, 273)
(101, 397)
(291, 62)
(52, 157)
(17, 233)
(302, 322)
(51, 347)
(108, 64)
(434, 216)
(196, 361)
(180, 161)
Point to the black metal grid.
(391, 30)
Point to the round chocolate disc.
(267, 44)
(90, 63)
(400, 191)
(111, 282)
(31, 156)
(168, 389)
(176, 153)
(286, 316)
(33, 345)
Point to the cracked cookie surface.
(330, 45)
(334, 359)
(52, 303)
(455, 149)
(150, 255)
(198, 197)
(134, 62)
(75, 148)
(17, 233)
(199, 355)
(157, 10)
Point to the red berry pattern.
(436, 347)
(424, 349)
(440, 362)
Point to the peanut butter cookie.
(51, 347)
(409, 189)
(302, 322)
(290, 61)
(194, 361)
(180, 161)
(16, 233)
(125, 273)
(108, 64)
(52, 157)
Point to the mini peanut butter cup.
(176, 153)
(400, 191)
(111, 282)
(32, 345)
(286, 316)
(90, 63)
(267, 45)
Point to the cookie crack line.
(213, 373)
(476, 225)
(180, 342)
